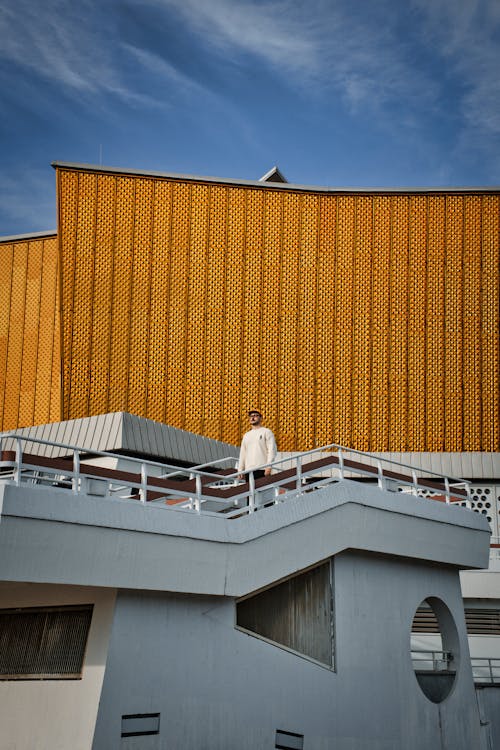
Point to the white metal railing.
(486, 670)
(431, 661)
(216, 486)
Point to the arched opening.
(435, 649)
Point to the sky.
(359, 93)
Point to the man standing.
(258, 446)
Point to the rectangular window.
(38, 643)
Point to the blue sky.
(335, 92)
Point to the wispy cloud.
(165, 72)
(405, 67)
(466, 34)
(70, 44)
(315, 44)
(77, 46)
(283, 31)
(57, 40)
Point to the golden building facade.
(368, 319)
(30, 332)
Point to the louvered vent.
(482, 621)
(43, 643)
(425, 621)
(478, 621)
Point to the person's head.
(255, 417)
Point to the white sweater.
(258, 447)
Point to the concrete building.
(190, 620)
(359, 318)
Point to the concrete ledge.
(54, 536)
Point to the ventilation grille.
(43, 643)
(482, 621)
(288, 740)
(478, 621)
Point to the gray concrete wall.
(488, 698)
(52, 535)
(219, 688)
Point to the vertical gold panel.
(103, 294)
(83, 295)
(288, 354)
(216, 322)
(16, 332)
(307, 323)
(45, 320)
(121, 302)
(362, 324)
(31, 333)
(252, 303)
(343, 334)
(398, 312)
(490, 310)
(140, 305)
(472, 324)
(67, 190)
(417, 289)
(270, 293)
(197, 302)
(325, 321)
(160, 289)
(380, 323)
(234, 287)
(453, 325)
(177, 328)
(6, 307)
(435, 324)
(30, 385)
(53, 360)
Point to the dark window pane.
(296, 613)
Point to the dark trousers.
(258, 473)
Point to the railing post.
(143, 492)
(19, 460)
(76, 472)
(447, 490)
(415, 481)
(251, 493)
(197, 502)
(380, 475)
(298, 472)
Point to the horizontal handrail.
(431, 661)
(485, 669)
(234, 492)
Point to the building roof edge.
(271, 185)
(28, 236)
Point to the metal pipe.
(76, 472)
(143, 492)
(197, 503)
(19, 460)
(251, 493)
